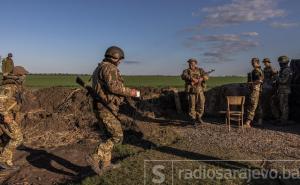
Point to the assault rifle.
(202, 82)
(92, 93)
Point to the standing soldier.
(108, 84)
(284, 89)
(268, 88)
(195, 79)
(10, 100)
(255, 80)
(7, 65)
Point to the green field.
(43, 81)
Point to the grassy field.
(43, 81)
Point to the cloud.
(220, 48)
(250, 34)
(131, 62)
(239, 11)
(284, 25)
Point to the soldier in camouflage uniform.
(284, 89)
(108, 83)
(255, 80)
(7, 65)
(195, 79)
(268, 88)
(10, 100)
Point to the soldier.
(7, 65)
(108, 83)
(268, 88)
(10, 100)
(255, 79)
(195, 79)
(284, 89)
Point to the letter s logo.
(161, 176)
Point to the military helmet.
(10, 55)
(192, 60)
(114, 52)
(266, 60)
(283, 59)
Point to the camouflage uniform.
(284, 89)
(9, 109)
(268, 92)
(109, 85)
(7, 66)
(195, 93)
(255, 87)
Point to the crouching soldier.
(255, 80)
(109, 86)
(10, 103)
(195, 79)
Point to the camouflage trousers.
(114, 130)
(267, 103)
(15, 139)
(283, 107)
(254, 107)
(196, 105)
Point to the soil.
(60, 130)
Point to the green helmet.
(283, 60)
(114, 52)
(266, 60)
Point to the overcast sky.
(158, 36)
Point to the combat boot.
(8, 165)
(247, 124)
(107, 165)
(93, 162)
(199, 121)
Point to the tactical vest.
(254, 76)
(193, 89)
(269, 75)
(111, 100)
(286, 87)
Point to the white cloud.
(284, 24)
(220, 48)
(239, 11)
(250, 34)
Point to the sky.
(158, 36)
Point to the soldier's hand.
(135, 93)
(8, 119)
(195, 80)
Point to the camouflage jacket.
(269, 77)
(10, 99)
(284, 80)
(109, 84)
(188, 75)
(7, 66)
(255, 78)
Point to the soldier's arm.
(10, 67)
(186, 76)
(284, 77)
(204, 75)
(114, 85)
